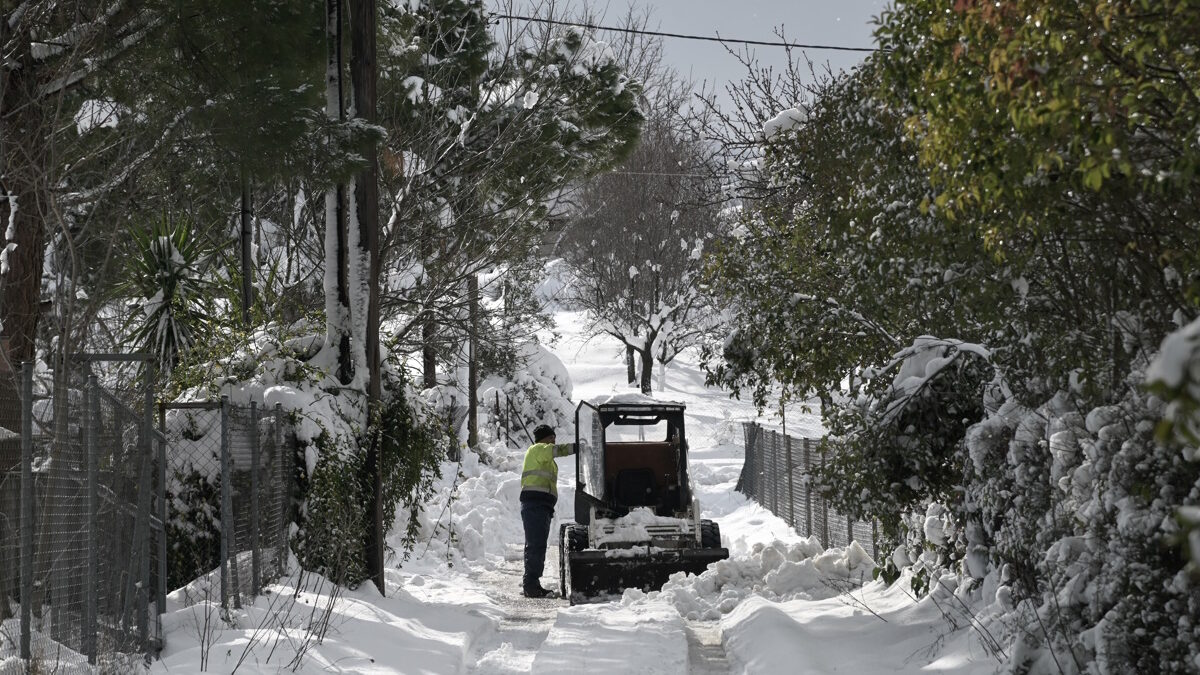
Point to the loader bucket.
(594, 573)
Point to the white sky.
(847, 23)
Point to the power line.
(657, 173)
(682, 36)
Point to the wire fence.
(81, 509)
(778, 474)
(228, 465)
(101, 515)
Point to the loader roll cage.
(630, 455)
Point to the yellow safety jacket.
(540, 472)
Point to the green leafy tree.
(1062, 133)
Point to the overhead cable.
(683, 36)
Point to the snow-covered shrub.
(899, 445)
(332, 430)
(1068, 509)
(193, 494)
(538, 391)
(1074, 510)
(335, 521)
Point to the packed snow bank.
(614, 640)
(873, 630)
(306, 624)
(778, 572)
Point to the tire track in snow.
(706, 651)
(526, 622)
(510, 649)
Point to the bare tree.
(637, 245)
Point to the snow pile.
(473, 518)
(474, 512)
(875, 630)
(309, 625)
(779, 572)
(632, 526)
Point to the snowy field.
(780, 604)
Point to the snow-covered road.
(523, 625)
(531, 637)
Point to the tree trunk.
(428, 325)
(247, 237)
(24, 186)
(647, 367)
(428, 354)
(473, 360)
(366, 199)
(337, 263)
(630, 366)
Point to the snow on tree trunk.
(364, 267)
(23, 159)
(473, 361)
(336, 282)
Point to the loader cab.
(632, 452)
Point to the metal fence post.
(255, 542)
(777, 478)
(26, 507)
(875, 541)
(824, 512)
(771, 475)
(91, 449)
(226, 507)
(145, 506)
(162, 511)
(808, 524)
(777, 460)
(283, 482)
(791, 479)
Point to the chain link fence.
(778, 474)
(101, 514)
(229, 482)
(81, 506)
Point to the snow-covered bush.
(335, 520)
(538, 390)
(1067, 509)
(899, 445)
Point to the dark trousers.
(537, 510)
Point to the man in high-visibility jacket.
(539, 494)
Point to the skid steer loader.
(636, 519)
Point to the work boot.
(537, 592)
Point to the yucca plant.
(168, 289)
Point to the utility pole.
(363, 67)
(337, 262)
